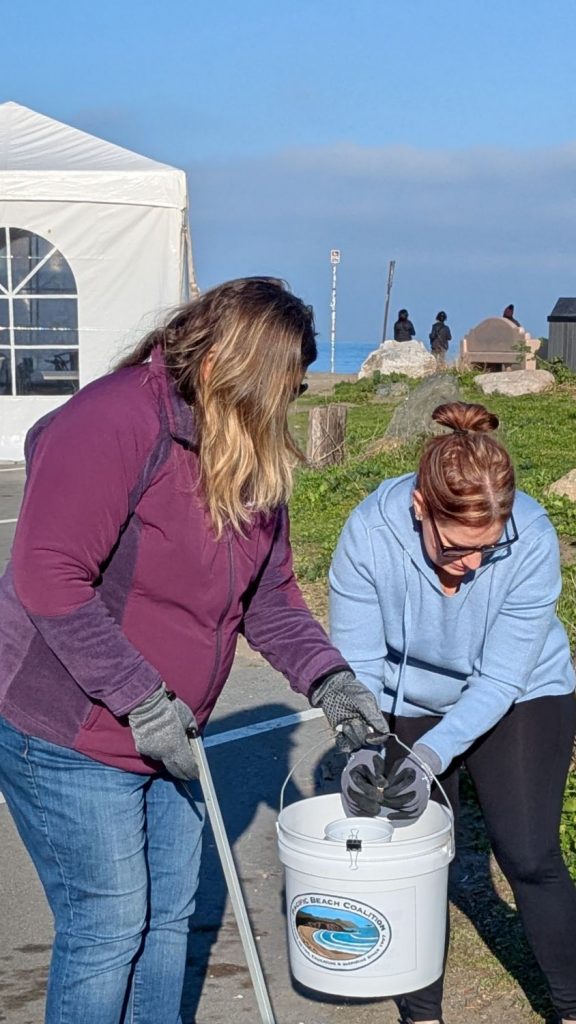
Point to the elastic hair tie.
(458, 430)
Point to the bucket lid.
(364, 830)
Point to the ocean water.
(349, 356)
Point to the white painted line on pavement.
(254, 730)
(4, 522)
(12, 469)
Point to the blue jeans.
(118, 854)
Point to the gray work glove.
(351, 710)
(406, 791)
(159, 727)
(402, 795)
(362, 783)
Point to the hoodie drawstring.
(406, 634)
(482, 649)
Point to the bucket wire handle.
(436, 780)
(419, 760)
(297, 765)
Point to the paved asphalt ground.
(248, 772)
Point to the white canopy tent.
(94, 246)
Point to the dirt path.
(322, 383)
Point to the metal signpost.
(334, 260)
(391, 268)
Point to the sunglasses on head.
(483, 549)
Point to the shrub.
(562, 373)
(361, 391)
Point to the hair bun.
(465, 418)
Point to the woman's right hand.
(159, 726)
(363, 781)
(351, 710)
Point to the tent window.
(38, 317)
(40, 314)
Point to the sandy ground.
(322, 383)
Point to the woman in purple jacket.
(153, 530)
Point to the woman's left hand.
(407, 789)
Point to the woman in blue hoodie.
(443, 599)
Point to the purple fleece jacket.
(117, 582)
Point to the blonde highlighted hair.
(237, 355)
(467, 475)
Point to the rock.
(409, 357)
(566, 485)
(413, 418)
(515, 382)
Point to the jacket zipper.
(222, 617)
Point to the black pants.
(519, 771)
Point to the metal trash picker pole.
(231, 876)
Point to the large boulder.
(413, 418)
(515, 382)
(566, 485)
(409, 357)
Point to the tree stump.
(326, 431)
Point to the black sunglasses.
(300, 391)
(484, 549)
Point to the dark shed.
(562, 333)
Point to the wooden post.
(326, 432)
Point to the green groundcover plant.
(538, 430)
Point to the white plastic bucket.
(365, 919)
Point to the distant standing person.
(403, 328)
(508, 314)
(440, 336)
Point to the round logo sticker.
(338, 933)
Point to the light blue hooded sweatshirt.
(467, 657)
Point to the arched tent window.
(38, 317)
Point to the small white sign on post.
(334, 256)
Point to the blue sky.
(440, 134)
